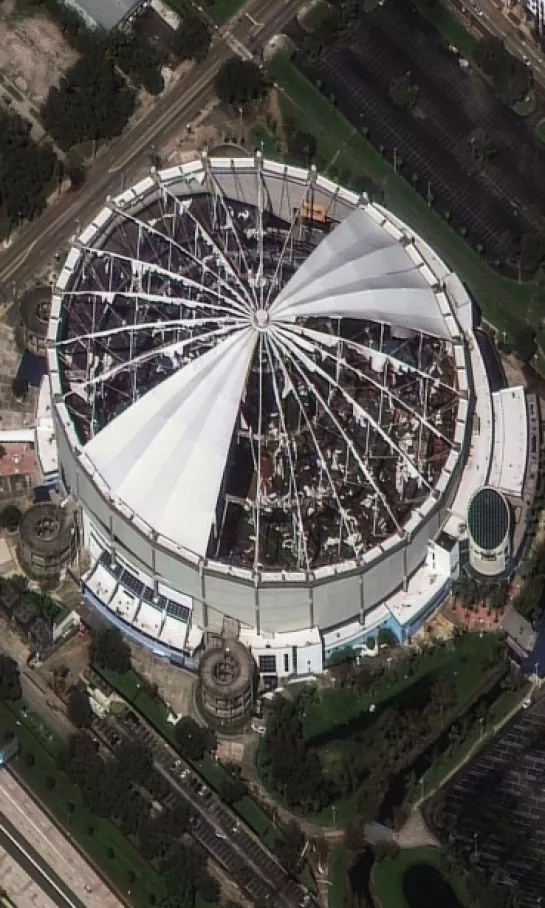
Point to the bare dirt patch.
(33, 53)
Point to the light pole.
(334, 814)
(240, 122)
(476, 841)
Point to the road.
(495, 21)
(33, 865)
(38, 242)
(77, 882)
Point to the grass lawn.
(339, 863)
(504, 302)
(387, 876)
(93, 835)
(449, 26)
(330, 710)
(260, 134)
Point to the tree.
(25, 170)
(92, 102)
(10, 682)
(475, 151)
(524, 342)
(403, 92)
(191, 40)
(239, 82)
(232, 790)
(510, 77)
(135, 761)
(192, 740)
(109, 650)
(79, 709)
(3, 452)
(19, 387)
(10, 517)
(289, 848)
(137, 59)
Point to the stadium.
(272, 410)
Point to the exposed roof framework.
(272, 391)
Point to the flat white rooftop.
(510, 450)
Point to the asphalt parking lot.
(508, 195)
(495, 808)
(214, 826)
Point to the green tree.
(239, 82)
(109, 650)
(191, 40)
(10, 682)
(192, 740)
(79, 709)
(403, 92)
(524, 342)
(10, 517)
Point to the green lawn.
(504, 302)
(93, 835)
(329, 710)
(339, 863)
(387, 876)
(449, 26)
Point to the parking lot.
(495, 808)
(213, 825)
(393, 40)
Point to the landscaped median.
(504, 302)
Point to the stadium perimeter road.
(38, 242)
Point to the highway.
(37, 243)
(35, 867)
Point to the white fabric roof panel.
(359, 270)
(165, 455)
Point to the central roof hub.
(260, 319)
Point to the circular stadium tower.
(489, 532)
(261, 394)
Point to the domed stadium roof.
(237, 369)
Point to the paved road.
(494, 20)
(38, 242)
(35, 867)
(82, 886)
